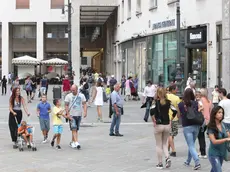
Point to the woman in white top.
(215, 96)
(98, 100)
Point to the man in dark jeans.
(4, 81)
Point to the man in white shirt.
(192, 86)
(148, 97)
(225, 104)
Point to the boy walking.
(58, 112)
(43, 110)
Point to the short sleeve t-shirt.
(220, 149)
(44, 108)
(57, 117)
(175, 100)
(225, 104)
(75, 103)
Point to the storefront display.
(197, 54)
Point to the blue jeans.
(216, 162)
(115, 121)
(190, 134)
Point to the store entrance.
(197, 65)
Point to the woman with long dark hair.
(218, 137)
(15, 116)
(190, 130)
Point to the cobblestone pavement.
(135, 152)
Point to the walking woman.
(160, 117)
(189, 129)
(16, 103)
(28, 87)
(218, 137)
(207, 106)
(4, 83)
(98, 100)
(123, 80)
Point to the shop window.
(24, 31)
(158, 59)
(57, 4)
(129, 9)
(22, 4)
(138, 10)
(122, 11)
(153, 3)
(56, 31)
(83, 60)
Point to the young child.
(43, 110)
(58, 112)
(23, 130)
(108, 91)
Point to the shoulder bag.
(194, 116)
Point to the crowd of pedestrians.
(199, 115)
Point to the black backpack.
(193, 116)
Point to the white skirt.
(127, 92)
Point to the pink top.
(127, 84)
(207, 105)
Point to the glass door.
(199, 66)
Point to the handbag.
(193, 116)
(227, 154)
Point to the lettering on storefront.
(164, 24)
(197, 36)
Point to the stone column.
(76, 60)
(5, 49)
(226, 44)
(40, 40)
(40, 44)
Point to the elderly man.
(74, 102)
(117, 105)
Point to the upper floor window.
(56, 31)
(83, 60)
(138, 10)
(122, 11)
(118, 15)
(57, 4)
(129, 9)
(24, 31)
(22, 4)
(153, 3)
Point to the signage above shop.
(197, 35)
(164, 24)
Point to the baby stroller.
(21, 140)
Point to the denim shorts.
(75, 123)
(44, 124)
(58, 129)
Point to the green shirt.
(220, 149)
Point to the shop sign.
(164, 24)
(197, 35)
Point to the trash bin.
(57, 93)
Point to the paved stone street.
(135, 152)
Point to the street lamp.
(70, 11)
(178, 77)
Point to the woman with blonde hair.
(161, 121)
(207, 107)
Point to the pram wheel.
(21, 149)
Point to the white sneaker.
(78, 146)
(203, 156)
(44, 141)
(72, 145)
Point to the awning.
(55, 61)
(25, 60)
